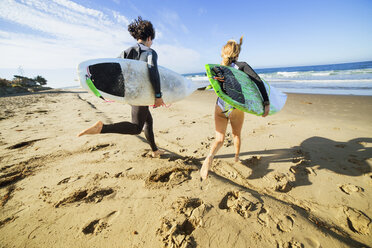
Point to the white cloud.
(60, 34)
(120, 18)
(78, 8)
(66, 33)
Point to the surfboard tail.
(190, 86)
(276, 97)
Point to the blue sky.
(50, 37)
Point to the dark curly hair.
(141, 29)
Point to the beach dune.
(304, 179)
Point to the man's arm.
(154, 73)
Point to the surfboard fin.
(93, 88)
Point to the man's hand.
(158, 102)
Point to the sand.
(304, 179)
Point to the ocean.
(335, 79)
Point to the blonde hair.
(230, 51)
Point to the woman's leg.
(237, 120)
(220, 121)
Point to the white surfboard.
(127, 81)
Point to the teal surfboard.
(241, 92)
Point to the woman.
(225, 112)
(144, 33)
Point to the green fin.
(92, 87)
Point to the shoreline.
(304, 178)
(72, 89)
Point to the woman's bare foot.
(95, 129)
(205, 168)
(236, 158)
(157, 153)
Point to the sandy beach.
(304, 179)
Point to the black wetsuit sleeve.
(255, 78)
(152, 63)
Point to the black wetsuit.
(141, 116)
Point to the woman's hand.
(267, 109)
(158, 102)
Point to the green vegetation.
(5, 83)
(25, 81)
(21, 84)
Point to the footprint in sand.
(283, 184)
(300, 154)
(357, 221)
(285, 224)
(99, 147)
(169, 176)
(225, 169)
(98, 225)
(289, 244)
(176, 228)
(186, 206)
(301, 168)
(13, 173)
(63, 181)
(263, 217)
(176, 234)
(86, 195)
(349, 189)
(24, 144)
(239, 202)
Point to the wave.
(359, 73)
(347, 74)
(349, 78)
(202, 79)
(321, 81)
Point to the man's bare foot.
(205, 168)
(157, 153)
(95, 129)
